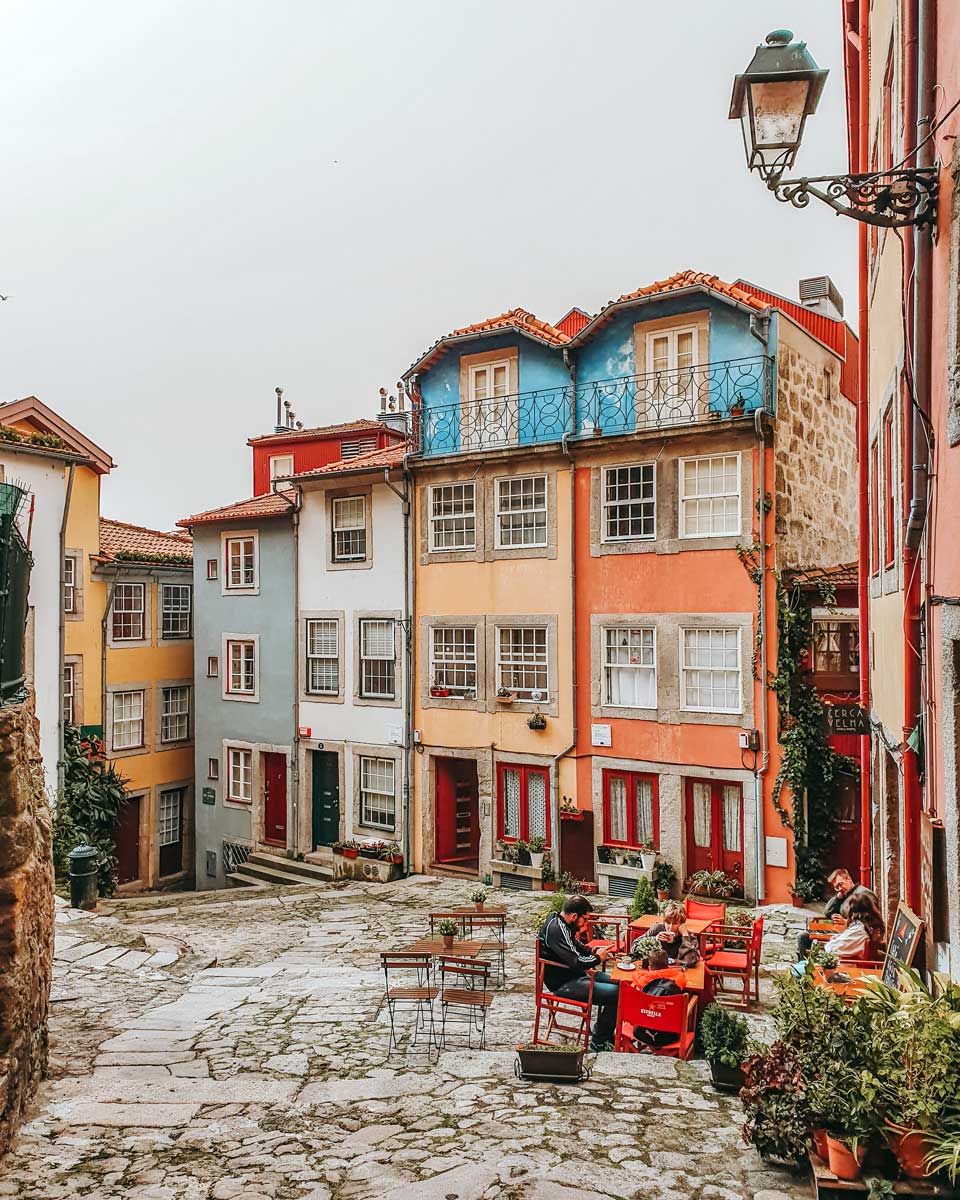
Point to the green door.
(326, 797)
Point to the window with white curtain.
(377, 660)
(732, 822)
(510, 800)
(710, 670)
(629, 667)
(523, 797)
(710, 496)
(617, 820)
(630, 808)
(703, 815)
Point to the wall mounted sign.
(209, 796)
(600, 735)
(847, 718)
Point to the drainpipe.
(764, 751)
(63, 622)
(863, 478)
(295, 764)
(408, 642)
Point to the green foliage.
(774, 1103)
(88, 808)
(478, 895)
(558, 901)
(170, 560)
(820, 957)
(644, 947)
(48, 441)
(724, 1036)
(878, 1189)
(448, 927)
(537, 845)
(716, 884)
(664, 875)
(644, 899)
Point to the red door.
(275, 799)
(715, 827)
(128, 841)
(458, 811)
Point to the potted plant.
(774, 1103)
(714, 885)
(645, 947)
(504, 696)
(619, 855)
(803, 891)
(664, 877)
(603, 854)
(523, 852)
(507, 852)
(560, 1063)
(644, 901)
(724, 1037)
(633, 858)
(448, 930)
(350, 850)
(536, 847)
(337, 847)
(437, 689)
(537, 721)
(736, 406)
(390, 852)
(477, 897)
(648, 856)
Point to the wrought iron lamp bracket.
(891, 199)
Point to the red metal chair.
(740, 965)
(556, 1007)
(664, 1014)
(620, 923)
(698, 910)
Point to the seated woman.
(864, 934)
(679, 943)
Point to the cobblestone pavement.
(206, 1048)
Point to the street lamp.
(772, 100)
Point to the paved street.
(210, 1048)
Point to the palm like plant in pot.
(664, 877)
(725, 1037)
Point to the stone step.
(453, 871)
(238, 879)
(306, 871)
(272, 874)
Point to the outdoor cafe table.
(858, 980)
(696, 976)
(435, 947)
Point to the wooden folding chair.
(558, 1008)
(490, 930)
(663, 1014)
(472, 998)
(414, 990)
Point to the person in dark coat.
(560, 944)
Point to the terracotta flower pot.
(448, 941)
(843, 1162)
(351, 852)
(797, 901)
(910, 1149)
(819, 1138)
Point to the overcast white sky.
(203, 199)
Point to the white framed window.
(354, 447)
(281, 467)
(522, 663)
(129, 612)
(710, 670)
(69, 692)
(241, 667)
(453, 516)
(489, 381)
(213, 566)
(522, 511)
(213, 666)
(710, 496)
(323, 656)
(69, 584)
(378, 799)
(672, 350)
(171, 804)
(239, 775)
(630, 502)
(240, 562)
(174, 714)
(453, 659)
(377, 660)
(630, 667)
(176, 610)
(349, 528)
(489, 418)
(213, 768)
(127, 720)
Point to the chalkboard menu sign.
(903, 943)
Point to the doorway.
(326, 798)
(457, 812)
(715, 827)
(128, 841)
(171, 831)
(275, 799)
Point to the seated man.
(559, 944)
(845, 892)
(862, 937)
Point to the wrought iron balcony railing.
(658, 400)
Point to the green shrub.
(724, 1036)
(88, 808)
(644, 899)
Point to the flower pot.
(910, 1149)
(726, 1079)
(549, 885)
(648, 861)
(350, 852)
(436, 691)
(536, 860)
(537, 1062)
(448, 941)
(620, 860)
(819, 1139)
(396, 859)
(843, 1162)
(338, 850)
(479, 906)
(797, 901)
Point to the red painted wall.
(308, 454)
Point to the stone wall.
(26, 915)
(815, 456)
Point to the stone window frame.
(179, 743)
(78, 558)
(361, 491)
(463, 474)
(225, 693)
(599, 624)
(148, 605)
(318, 614)
(711, 537)
(76, 662)
(232, 535)
(445, 552)
(492, 552)
(395, 753)
(550, 706)
(146, 687)
(396, 616)
(427, 624)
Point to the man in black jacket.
(559, 944)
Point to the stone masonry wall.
(815, 457)
(26, 915)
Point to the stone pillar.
(26, 915)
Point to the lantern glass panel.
(778, 112)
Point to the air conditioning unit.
(820, 294)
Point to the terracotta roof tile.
(517, 319)
(362, 425)
(271, 504)
(685, 279)
(121, 538)
(388, 456)
(841, 575)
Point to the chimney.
(393, 409)
(819, 293)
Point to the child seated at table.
(679, 943)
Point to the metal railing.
(657, 400)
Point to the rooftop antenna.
(279, 426)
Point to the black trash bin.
(83, 876)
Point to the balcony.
(682, 398)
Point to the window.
(523, 809)
(522, 511)
(68, 694)
(242, 668)
(453, 517)
(453, 659)
(710, 496)
(240, 775)
(669, 392)
(874, 509)
(323, 657)
(378, 801)
(69, 585)
(489, 419)
(176, 604)
(629, 502)
(836, 653)
(241, 561)
(174, 714)
(212, 568)
(128, 612)
(631, 809)
(629, 668)
(352, 447)
(349, 529)
(710, 670)
(377, 660)
(522, 661)
(490, 381)
(171, 831)
(281, 466)
(127, 720)
(889, 532)
(213, 666)
(213, 768)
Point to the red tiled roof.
(841, 575)
(362, 425)
(573, 322)
(271, 504)
(686, 279)
(388, 456)
(121, 538)
(518, 320)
